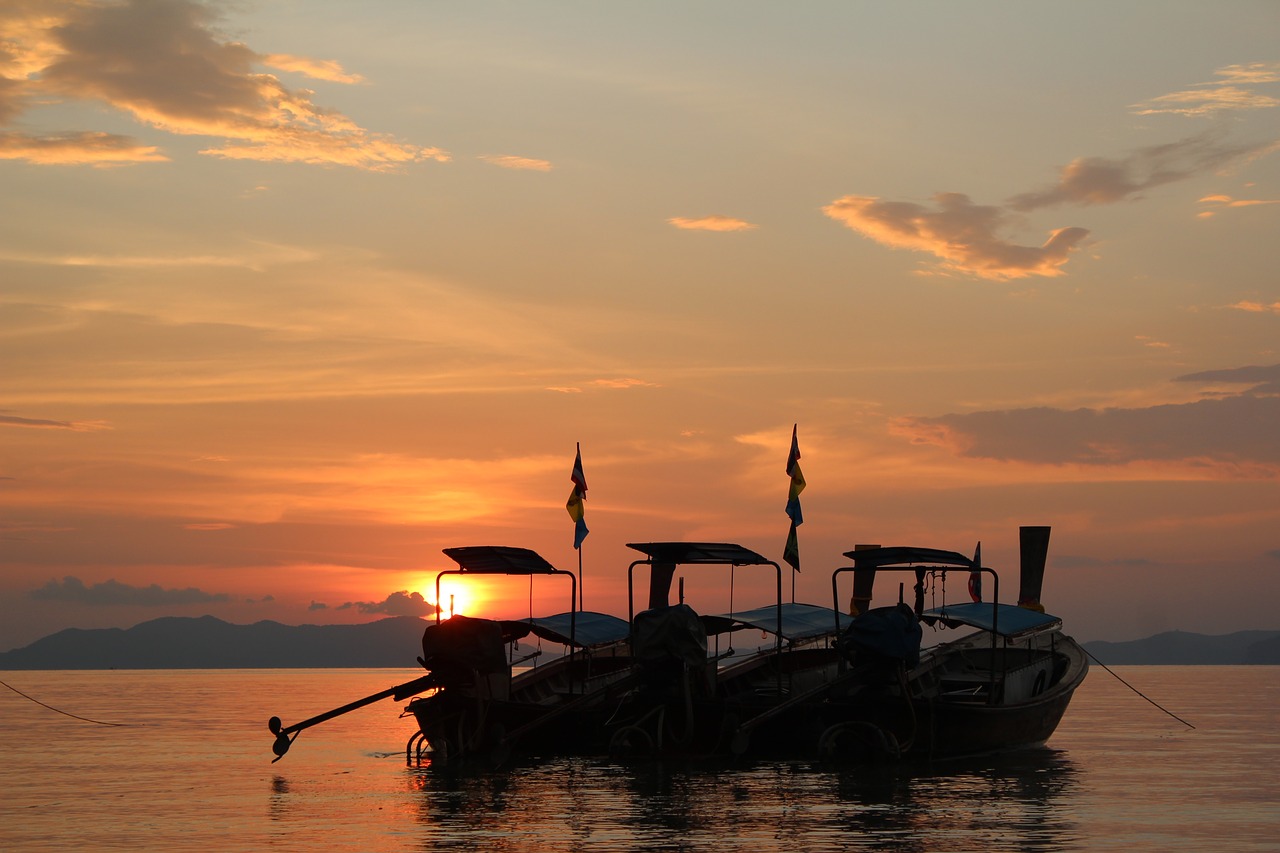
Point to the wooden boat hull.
(555, 709)
(914, 719)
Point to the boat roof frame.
(703, 554)
(913, 559)
(510, 561)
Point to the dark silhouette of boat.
(476, 701)
(828, 684)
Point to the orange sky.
(295, 295)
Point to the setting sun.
(456, 596)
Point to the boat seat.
(966, 689)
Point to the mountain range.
(175, 642)
(179, 642)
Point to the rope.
(64, 713)
(1136, 690)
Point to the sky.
(294, 295)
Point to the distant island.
(1182, 647)
(176, 642)
(180, 642)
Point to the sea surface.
(191, 769)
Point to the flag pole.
(577, 512)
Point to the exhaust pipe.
(1034, 551)
(864, 580)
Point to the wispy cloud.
(963, 235)
(511, 161)
(42, 423)
(1257, 307)
(712, 223)
(113, 593)
(78, 149)
(318, 69)
(1230, 92)
(623, 383)
(1103, 180)
(165, 63)
(966, 237)
(1261, 379)
(1224, 434)
(257, 257)
(618, 384)
(1219, 203)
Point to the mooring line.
(64, 713)
(1136, 690)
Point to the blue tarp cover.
(799, 621)
(590, 629)
(1009, 619)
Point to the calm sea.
(192, 771)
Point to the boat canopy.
(588, 628)
(799, 621)
(691, 553)
(500, 560)
(1007, 620)
(875, 558)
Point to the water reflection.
(1013, 803)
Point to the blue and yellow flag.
(791, 551)
(576, 497)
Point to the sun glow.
(456, 596)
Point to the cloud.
(165, 63)
(1261, 379)
(960, 233)
(41, 423)
(1230, 432)
(319, 69)
(402, 603)
(76, 149)
(318, 605)
(1223, 202)
(112, 593)
(1101, 180)
(1229, 93)
(623, 383)
(1257, 307)
(510, 161)
(256, 255)
(712, 223)
(965, 236)
(620, 384)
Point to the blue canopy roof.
(589, 628)
(1009, 619)
(799, 621)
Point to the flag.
(576, 497)
(791, 551)
(975, 576)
